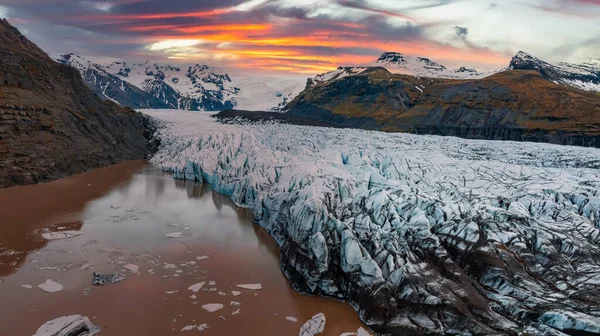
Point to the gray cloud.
(461, 31)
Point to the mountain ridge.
(518, 105)
(151, 84)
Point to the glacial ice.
(196, 287)
(445, 235)
(314, 326)
(61, 234)
(50, 286)
(212, 307)
(174, 235)
(68, 326)
(250, 286)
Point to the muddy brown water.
(123, 213)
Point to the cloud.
(309, 35)
(461, 31)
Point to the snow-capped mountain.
(423, 67)
(584, 76)
(109, 86)
(186, 87)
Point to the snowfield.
(419, 233)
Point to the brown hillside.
(51, 124)
(511, 105)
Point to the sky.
(312, 36)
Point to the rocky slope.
(510, 105)
(51, 124)
(424, 235)
(176, 86)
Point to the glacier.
(421, 234)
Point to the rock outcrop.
(51, 124)
(519, 105)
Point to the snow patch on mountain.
(584, 76)
(424, 67)
(421, 233)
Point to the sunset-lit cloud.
(312, 36)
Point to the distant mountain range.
(584, 76)
(201, 87)
(187, 87)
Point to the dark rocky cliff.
(51, 124)
(518, 105)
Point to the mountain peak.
(525, 61)
(391, 57)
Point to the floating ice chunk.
(235, 303)
(50, 286)
(235, 293)
(235, 312)
(291, 319)
(193, 297)
(107, 278)
(222, 293)
(174, 235)
(203, 326)
(171, 292)
(87, 266)
(133, 268)
(201, 257)
(314, 326)
(212, 283)
(250, 286)
(27, 286)
(195, 288)
(68, 326)
(360, 332)
(189, 328)
(212, 307)
(170, 266)
(61, 234)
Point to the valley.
(255, 168)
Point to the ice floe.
(196, 287)
(50, 286)
(131, 267)
(212, 307)
(174, 235)
(250, 286)
(291, 319)
(68, 326)
(314, 326)
(100, 279)
(61, 234)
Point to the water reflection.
(25, 210)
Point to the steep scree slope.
(51, 124)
